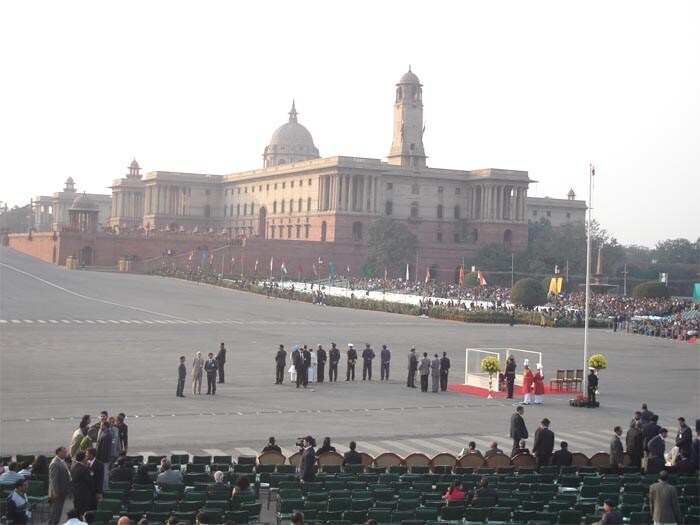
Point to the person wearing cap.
(663, 501)
(424, 368)
(544, 444)
(281, 363)
(656, 447)
(385, 359)
(307, 463)
(367, 356)
(518, 430)
(528, 378)
(412, 368)
(612, 515)
(333, 360)
(352, 359)
(592, 387)
(321, 359)
(538, 381)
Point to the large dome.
(291, 142)
(409, 77)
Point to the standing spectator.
(59, 485)
(83, 484)
(298, 365)
(18, 512)
(104, 451)
(645, 414)
(510, 376)
(617, 456)
(367, 356)
(352, 359)
(333, 360)
(444, 371)
(210, 367)
(562, 457)
(538, 382)
(385, 356)
(518, 430)
(280, 364)
(544, 444)
(99, 476)
(221, 361)
(650, 430)
(656, 460)
(123, 431)
(636, 419)
(181, 374)
(684, 438)
(352, 457)
(592, 387)
(424, 369)
(435, 373)
(78, 435)
(197, 369)
(663, 501)
(412, 368)
(321, 359)
(634, 441)
(527, 382)
(306, 366)
(307, 464)
(40, 467)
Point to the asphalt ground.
(76, 342)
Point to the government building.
(299, 206)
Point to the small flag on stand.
(427, 275)
(283, 268)
(482, 281)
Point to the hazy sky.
(546, 87)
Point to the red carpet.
(483, 392)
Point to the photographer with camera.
(307, 465)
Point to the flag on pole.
(256, 267)
(313, 267)
(283, 268)
(331, 267)
(191, 255)
(385, 272)
(233, 261)
(461, 276)
(348, 270)
(482, 281)
(427, 274)
(272, 263)
(408, 274)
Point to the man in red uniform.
(539, 384)
(528, 379)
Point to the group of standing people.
(437, 369)
(211, 367)
(532, 383)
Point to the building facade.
(51, 213)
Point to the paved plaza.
(76, 342)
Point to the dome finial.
(293, 112)
(409, 68)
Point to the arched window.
(306, 231)
(357, 231)
(414, 210)
(298, 230)
(281, 231)
(507, 238)
(291, 205)
(439, 211)
(388, 208)
(272, 232)
(457, 212)
(323, 231)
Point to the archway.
(357, 231)
(262, 220)
(323, 231)
(434, 271)
(86, 256)
(507, 238)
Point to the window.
(267, 187)
(306, 231)
(275, 185)
(568, 215)
(230, 210)
(549, 214)
(458, 191)
(284, 185)
(245, 209)
(456, 236)
(281, 232)
(534, 213)
(507, 238)
(283, 202)
(300, 204)
(440, 189)
(260, 187)
(224, 210)
(272, 232)
(238, 210)
(252, 189)
(252, 208)
(415, 189)
(309, 182)
(301, 182)
(245, 190)
(439, 236)
(357, 231)
(207, 211)
(389, 185)
(457, 212)
(289, 231)
(308, 204)
(291, 205)
(388, 208)
(414, 210)
(274, 207)
(439, 211)
(207, 192)
(291, 184)
(323, 231)
(474, 237)
(298, 230)
(239, 191)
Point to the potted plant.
(491, 365)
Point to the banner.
(696, 292)
(555, 284)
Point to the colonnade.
(167, 200)
(345, 192)
(497, 202)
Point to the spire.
(409, 68)
(599, 266)
(293, 113)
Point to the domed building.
(51, 212)
(291, 142)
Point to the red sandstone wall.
(39, 245)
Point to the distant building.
(556, 211)
(50, 213)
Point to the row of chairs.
(566, 380)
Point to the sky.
(548, 87)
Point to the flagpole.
(588, 282)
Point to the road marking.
(395, 446)
(578, 440)
(77, 321)
(53, 321)
(245, 451)
(135, 321)
(215, 452)
(41, 321)
(124, 321)
(28, 321)
(89, 321)
(422, 445)
(456, 445)
(147, 321)
(16, 321)
(3, 321)
(113, 321)
(373, 449)
(65, 321)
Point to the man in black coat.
(617, 456)
(221, 361)
(352, 359)
(544, 444)
(684, 438)
(97, 468)
(306, 364)
(280, 364)
(181, 374)
(367, 356)
(518, 430)
(321, 359)
(307, 464)
(385, 356)
(634, 441)
(83, 484)
(352, 457)
(412, 368)
(656, 461)
(333, 360)
(298, 362)
(645, 414)
(444, 371)
(211, 365)
(592, 387)
(510, 376)
(562, 457)
(649, 431)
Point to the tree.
(389, 244)
(528, 292)
(494, 258)
(676, 251)
(471, 280)
(650, 289)
(15, 219)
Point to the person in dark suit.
(592, 387)
(306, 364)
(181, 374)
(484, 491)
(83, 484)
(645, 414)
(412, 368)
(221, 361)
(385, 357)
(663, 501)
(617, 456)
(518, 430)
(510, 376)
(298, 363)
(544, 444)
(352, 359)
(444, 371)
(59, 485)
(307, 464)
(97, 470)
(280, 365)
(634, 440)
(121, 471)
(321, 359)
(562, 457)
(333, 360)
(210, 367)
(271, 445)
(367, 356)
(656, 447)
(352, 457)
(649, 431)
(684, 438)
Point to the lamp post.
(624, 281)
(318, 277)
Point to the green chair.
(537, 506)
(380, 515)
(500, 514)
(569, 517)
(427, 513)
(363, 504)
(221, 504)
(408, 504)
(476, 514)
(214, 515)
(326, 516)
(112, 505)
(103, 516)
(157, 517)
(556, 506)
(547, 517)
(139, 506)
(355, 516)
(486, 501)
(189, 506)
(524, 515)
(184, 516)
(452, 513)
(399, 516)
(339, 504)
(285, 507)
